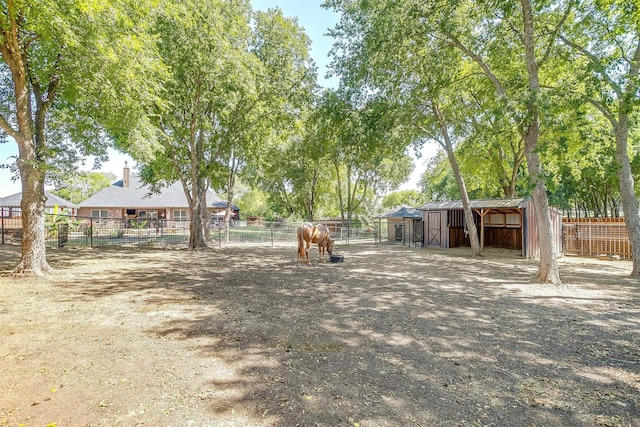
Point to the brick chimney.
(125, 176)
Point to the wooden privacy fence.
(595, 236)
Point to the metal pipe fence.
(74, 231)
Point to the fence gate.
(569, 239)
(63, 234)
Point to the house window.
(180, 214)
(99, 214)
(11, 212)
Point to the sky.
(311, 16)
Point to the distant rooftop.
(401, 212)
(139, 195)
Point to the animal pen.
(503, 223)
(403, 225)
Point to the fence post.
(271, 236)
(91, 231)
(2, 217)
(348, 231)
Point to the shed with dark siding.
(503, 223)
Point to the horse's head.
(329, 245)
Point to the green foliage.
(438, 182)
(238, 88)
(97, 64)
(410, 198)
(254, 202)
(79, 186)
(55, 220)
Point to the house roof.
(138, 195)
(511, 203)
(223, 205)
(401, 212)
(52, 201)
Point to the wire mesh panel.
(596, 238)
(74, 231)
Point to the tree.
(402, 198)
(232, 89)
(394, 59)
(368, 148)
(604, 41)
(79, 66)
(82, 185)
(284, 91)
(204, 45)
(581, 167)
(438, 182)
(492, 39)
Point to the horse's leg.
(306, 252)
(301, 245)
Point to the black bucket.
(336, 258)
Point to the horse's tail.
(300, 243)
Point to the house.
(11, 213)
(131, 199)
(504, 223)
(404, 224)
(10, 205)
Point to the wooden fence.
(595, 236)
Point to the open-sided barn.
(504, 223)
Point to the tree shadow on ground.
(392, 336)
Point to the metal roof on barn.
(401, 212)
(511, 203)
(139, 195)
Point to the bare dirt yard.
(245, 337)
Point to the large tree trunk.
(548, 266)
(462, 188)
(206, 218)
(625, 176)
(31, 139)
(627, 193)
(33, 259)
(196, 226)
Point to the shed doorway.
(399, 232)
(433, 229)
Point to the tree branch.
(10, 131)
(605, 112)
(595, 60)
(476, 58)
(554, 35)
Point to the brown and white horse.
(310, 233)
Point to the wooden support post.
(482, 230)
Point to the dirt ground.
(245, 337)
